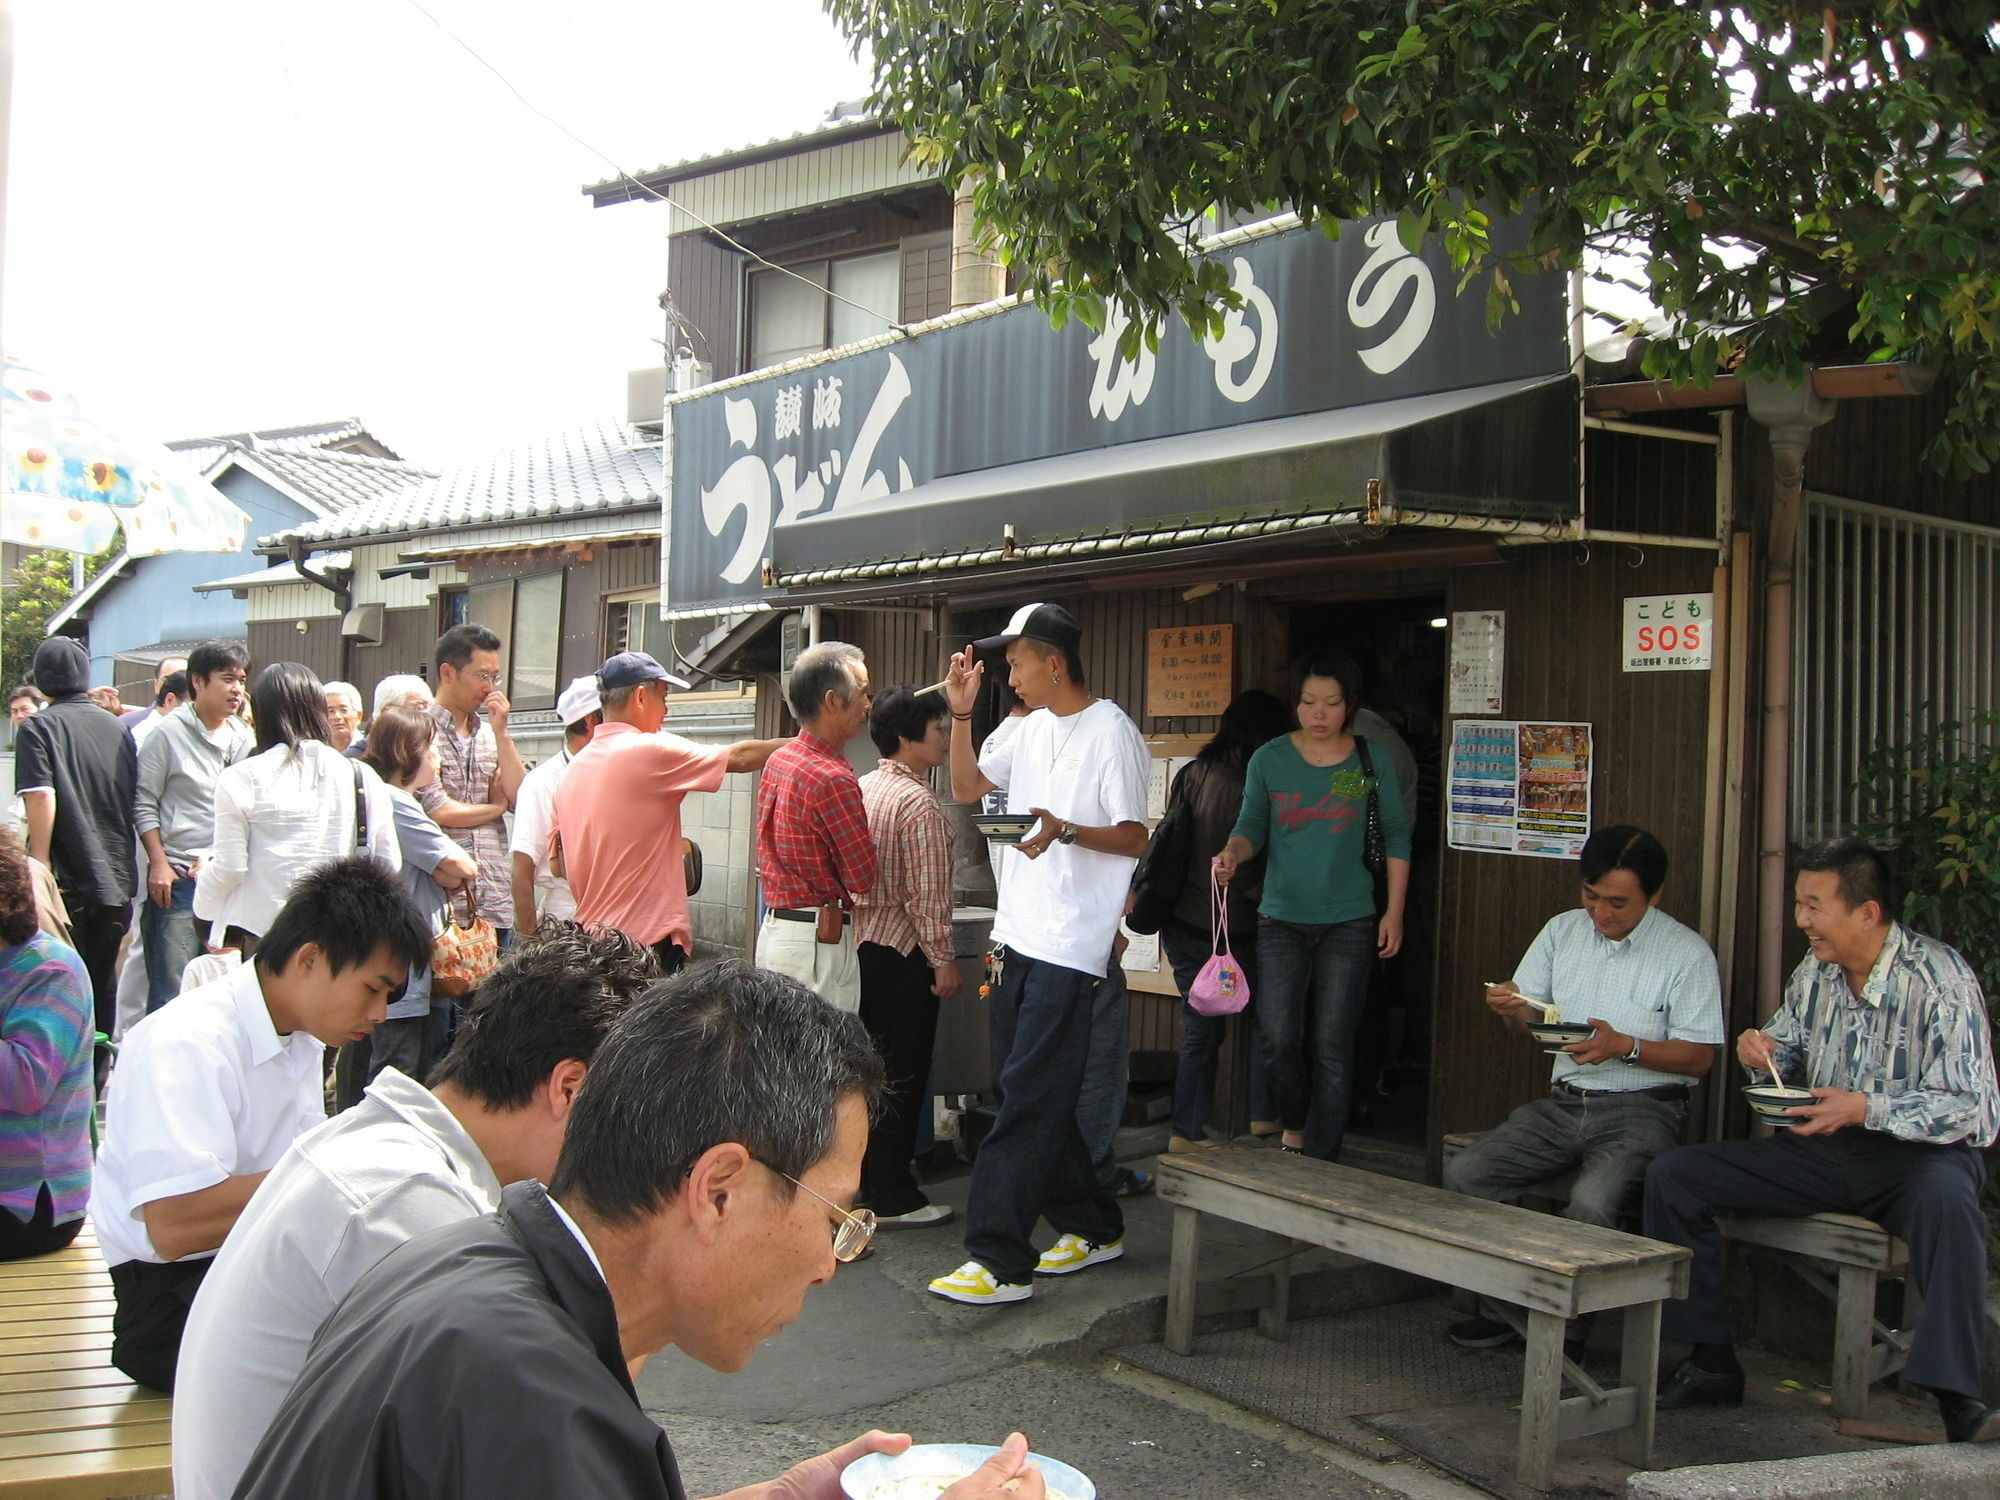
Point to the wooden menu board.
(1190, 669)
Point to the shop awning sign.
(1325, 325)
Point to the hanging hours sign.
(1190, 669)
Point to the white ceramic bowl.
(1771, 1102)
(928, 1469)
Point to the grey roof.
(273, 576)
(289, 439)
(340, 480)
(601, 466)
(847, 120)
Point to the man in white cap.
(618, 809)
(537, 883)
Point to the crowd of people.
(604, 1148)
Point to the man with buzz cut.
(1078, 765)
(210, 1090)
(403, 1161)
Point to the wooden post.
(1853, 1334)
(1639, 1368)
(1181, 1272)
(1541, 1394)
(1272, 1316)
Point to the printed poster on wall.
(1519, 788)
(1478, 660)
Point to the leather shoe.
(1967, 1419)
(1690, 1385)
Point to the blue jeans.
(1313, 988)
(170, 941)
(1034, 1162)
(1187, 950)
(1100, 1103)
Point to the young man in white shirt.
(403, 1161)
(1077, 763)
(209, 1091)
(538, 890)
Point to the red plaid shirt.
(813, 847)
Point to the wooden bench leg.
(1853, 1336)
(1272, 1316)
(1639, 1369)
(1541, 1397)
(1181, 1272)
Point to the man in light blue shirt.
(1650, 992)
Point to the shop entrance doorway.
(1401, 645)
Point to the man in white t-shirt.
(1077, 763)
(404, 1161)
(211, 1089)
(538, 890)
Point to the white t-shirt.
(1091, 769)
(996, 801)
(395, 1166)
(205, 1089)
(534, 818)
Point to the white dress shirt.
(277, 815)
(205, 1089)
(534, 819)
(395, 1166)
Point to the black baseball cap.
(630, 668)
(1038, 622)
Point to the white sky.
(230, 214)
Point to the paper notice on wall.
(1478, 661)
(1519, 788)
(1156, 790)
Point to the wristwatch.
(1633, 1055)
(1068, 834)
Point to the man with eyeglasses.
(700, 1193)
(479, 769)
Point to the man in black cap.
(618, 809)
(1078, 764)
(76, 769)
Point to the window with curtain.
(789, 317)
(526, 613)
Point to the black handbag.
(1374, 843)
(1161, 875)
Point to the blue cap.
(630, 668)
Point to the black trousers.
(1926, 1195)
(901, 1015)
(97, 932)
(672, 956)
(152, 1312)
(39, 1234)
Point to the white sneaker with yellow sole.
(974, 1285)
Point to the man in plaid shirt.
(479, 770)
(814, 853)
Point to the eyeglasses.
(491, 679)
(856, 1227)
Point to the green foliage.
(36, 589)
(1798, 182)
(1940, 800)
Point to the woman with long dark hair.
(1322, 920)
(46, 1094)
(1212, 785)
(293, 803)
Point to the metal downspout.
(1788, 414)
(343, 599)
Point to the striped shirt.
(466, 765)
(45, 1078)
(1658, 983)
(1916, 1040)
(910, 903)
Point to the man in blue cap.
(618, 808)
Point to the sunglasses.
(855, 1229)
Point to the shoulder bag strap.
(360, 810)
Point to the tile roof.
(601, 466)
(845, 118)
(288, 439)
(340, 480)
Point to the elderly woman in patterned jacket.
(1889, 1031)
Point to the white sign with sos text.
(1670, 633)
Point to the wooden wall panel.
(707, 282)
(1874, 451)
(318, 647)
(1563, 609)
(628, 565)
(408, 637)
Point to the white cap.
(578, 701)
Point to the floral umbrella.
(68, 483)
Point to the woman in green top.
(1319, 928)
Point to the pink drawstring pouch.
(1221, 988)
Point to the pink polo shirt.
(618, 811)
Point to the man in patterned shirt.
(902, 927)
(1889, 1030)
(813, 850)
(479, 770)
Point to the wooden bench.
(1859, 1252)
(71, 1427)
(1553, 1270)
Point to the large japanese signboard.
(1325, 324)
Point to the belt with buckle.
(803, 914)
(1675, 1092)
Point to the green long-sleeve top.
(1313, 819)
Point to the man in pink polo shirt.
(618, 809)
